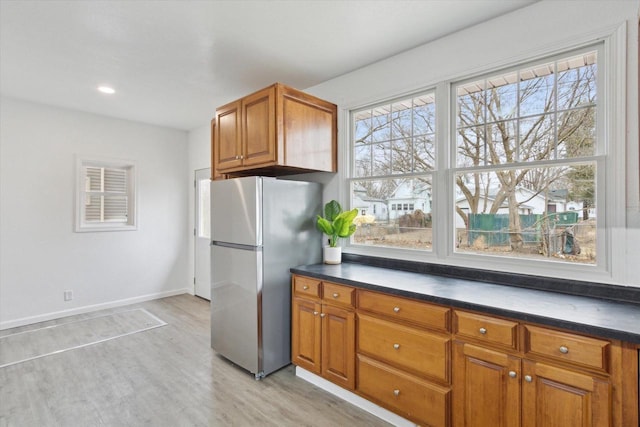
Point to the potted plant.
(335, 224)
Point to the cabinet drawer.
(306, 286)
(405, 309)
(577, 349)
(408, 396)
(420, 352)
(333, 293)
(486, 329)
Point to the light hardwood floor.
(168, 376)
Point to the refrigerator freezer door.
(236, 211)
(236, 286)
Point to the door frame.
(198, 174)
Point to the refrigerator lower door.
(236, 285)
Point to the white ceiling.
(173, 62)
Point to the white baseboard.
(354, 399)
(88, 308)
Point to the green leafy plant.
(336, 223)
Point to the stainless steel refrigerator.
(260, 228)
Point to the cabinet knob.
(322, 314)
(305, 287)
(336, 295)
(237, 157)
(396, 309)
(396, 346)
(528, 378)
(241, 157)
(483, 331)
(513, 374)
(396, 392)
(564, 349)
(315, 313)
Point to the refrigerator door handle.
(236, 246)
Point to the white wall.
(41, 255)
(199, 143)
(540, 29)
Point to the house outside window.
(524, 171)
(105, 195)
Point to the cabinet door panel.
(227, 140)
(305, 335)
(484, 392)
(338, 346)
(308, 136)
(258, 128)
(555, 397)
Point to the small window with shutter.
(105, 195)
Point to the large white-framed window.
(527, 154)
(525, 176)
(105, 195)
(394, 160)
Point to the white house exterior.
(368, 206)
(408, 197)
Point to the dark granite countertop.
(593, 316)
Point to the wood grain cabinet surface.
(323, 330)
(545, 377)
(275, 131)
(404, 353)
(442, 366)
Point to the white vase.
(332, 255)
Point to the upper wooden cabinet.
(275, 131)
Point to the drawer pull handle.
(305, 287)
(528, 378)
(483, 331)
(396, 346)
(396, 309)
(322, 314)
(336, 295)
(396, 392)
(315, 313)
(564, 349)
(513, 374)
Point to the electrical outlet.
(68, 295)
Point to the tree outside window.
(525, 146)
(524, 151)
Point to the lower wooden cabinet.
(551, 378)
(338, 336)
(554, 396)
(306, 335)
(323, 332)
(486, 387)
(439, 366)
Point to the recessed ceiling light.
(106, 89)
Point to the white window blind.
(106, 196)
